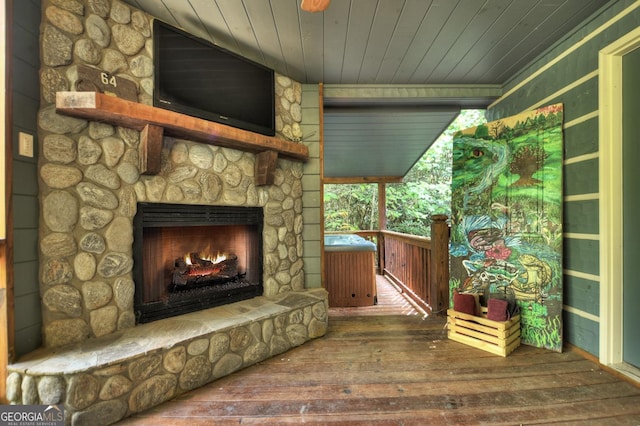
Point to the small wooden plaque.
(95, 80)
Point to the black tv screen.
(195, 77)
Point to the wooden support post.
(439, 278)
(150, 149)
(382, 223)
(382, 206)
(381, 253)
(265, 168)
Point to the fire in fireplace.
(193, 257)
(197, 270)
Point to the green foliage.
(426, 190)
(350, 207)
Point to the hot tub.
(349, 270)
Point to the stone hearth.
(103, 380)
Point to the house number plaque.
(95, 80)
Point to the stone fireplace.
(91, 182)
(100, 358)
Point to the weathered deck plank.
(401, 369)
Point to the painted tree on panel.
(506, 238)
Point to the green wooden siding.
(573, 80)
(582, 294)
(582, 255)
(581, 178)
(567, 70)
(581, 332)
(29, 277)
(26, 24)
(581, 217)
(581, 139)
(25, 92)
(311, 186)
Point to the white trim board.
(610, 165)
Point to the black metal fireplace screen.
(193, 257)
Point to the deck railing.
(418, 265)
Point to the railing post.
(381, 252)
(439, 273)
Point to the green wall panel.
(24, 85)
(311, 184)
(28, 339)
(567, 70)
(582, 217)
(25, 41)
(26, 101)
(26, 278)
(606, 13)
(25, 180)
(581, 139)
(581, 178)
(582, 294)
(560, 75)
(25, 245)
(581, 332)
(28, 312)
(27, 207)
(582, 255)
(25, 111)
(579, 101)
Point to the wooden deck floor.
(390, 302)
(389, 365)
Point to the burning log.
(193, 270)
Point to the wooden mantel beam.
(120, 112)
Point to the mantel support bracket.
(265, 168)
(150, 149)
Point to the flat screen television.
(195, 77)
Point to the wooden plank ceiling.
(364, 141)
(459, 45)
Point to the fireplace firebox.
(193, 257)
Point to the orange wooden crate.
(498, 337)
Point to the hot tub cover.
(347, 242)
